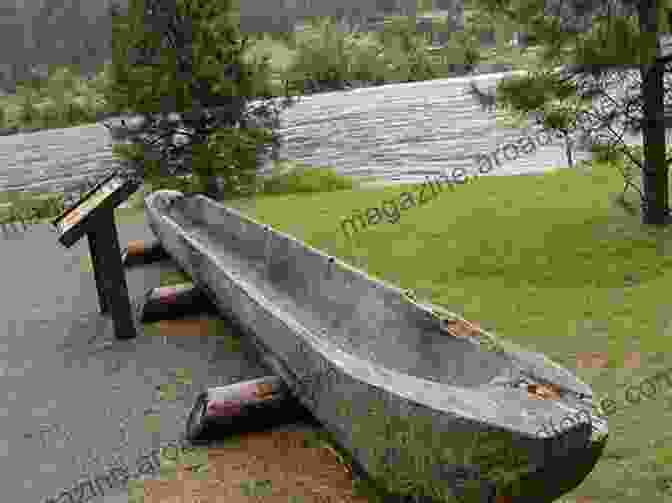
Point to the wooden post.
(110, 275)
(94, 250)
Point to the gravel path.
(397, 132)
(69, 402)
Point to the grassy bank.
(20, 210)
(547, 261)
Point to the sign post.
(93, 215)
(94, 252)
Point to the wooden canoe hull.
(408, 389)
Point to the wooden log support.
(253, 405)
(176, 301)
(143, 253)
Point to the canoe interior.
(361, 318)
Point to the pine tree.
(190, 57)
(603, 45)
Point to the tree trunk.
(569, 144)
(654, 177)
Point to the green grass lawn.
(547, 261)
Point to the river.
(396, 133)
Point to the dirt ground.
(282, 465)
(288, 463)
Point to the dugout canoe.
(423, 399)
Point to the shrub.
(468, 47)
(61, 79)
(28, 112)
(51, 115)
(322, 56)
(406, 53)
(51, 206)
(76, 113)
(304, 179)
(29, 209)
(367, 62)
(93, 106)
(286, 37)
(327, 57)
